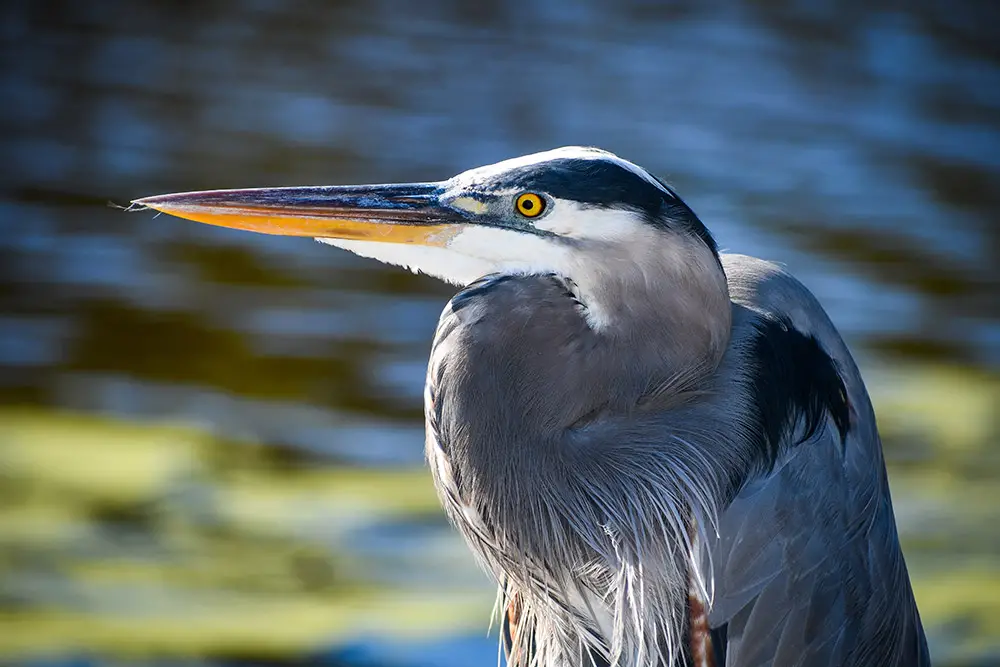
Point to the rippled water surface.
(211, 441)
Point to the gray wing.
(808, 568)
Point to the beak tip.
(164, 203)
(142, 204)
(146, 201)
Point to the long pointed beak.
(398, 213)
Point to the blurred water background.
(211, 441)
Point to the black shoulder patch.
(604, 183)
(795, 379)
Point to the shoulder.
(796, 368)
(769, 290)
(779, 305)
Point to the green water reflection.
(130, 538)
(127, 538)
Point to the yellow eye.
(530, 205)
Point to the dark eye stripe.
(604, 183)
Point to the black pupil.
(527, 204)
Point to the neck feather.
(567, 444)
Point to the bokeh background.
(211, 442)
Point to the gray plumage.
(665, 456)
(568, 465)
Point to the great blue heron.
(664, 455)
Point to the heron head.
(573, 211)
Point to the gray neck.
(664, 297)
(546, 423)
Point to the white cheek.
(470, 253)
(510, 251)
(441, 263)
(572, 220)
